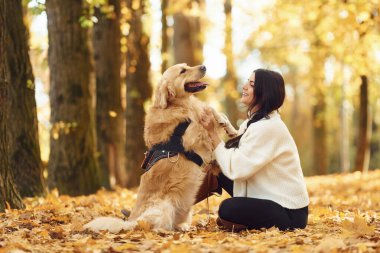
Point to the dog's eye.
(182, 71)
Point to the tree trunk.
(8, 191)
(320, 147)
(230, 80)
(364, 129)
(109, 111)
(138, 91)
(164, 36)
(73, 167)
(24, 152)
(375, 140)
(320, 136)
(318, 56)
(292, 78)
(344, 127)
(187, 38)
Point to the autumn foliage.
(344, 217)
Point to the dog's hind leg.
(161, 215)
(183, 220)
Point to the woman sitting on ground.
(260, 168)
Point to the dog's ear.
(164, 91)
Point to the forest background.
(87, 70)
(76, 77)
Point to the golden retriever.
(167, 190)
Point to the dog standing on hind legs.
(180, 153)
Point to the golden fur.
(167, 191)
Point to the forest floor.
(344, 217)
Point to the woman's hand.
(208, 122)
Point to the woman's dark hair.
(268, 95)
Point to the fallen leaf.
(328, 245)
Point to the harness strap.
(154, 156)
(175, 142)
(194, 157)
(171, 148)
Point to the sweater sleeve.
(256, 149)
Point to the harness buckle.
(172, 161)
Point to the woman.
(260, 168)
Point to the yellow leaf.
(44, 234)
(328, 245)
(126, 246)
(180, 248)
(144, 225)
(358, 227)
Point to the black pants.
(259, 213)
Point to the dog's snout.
(203, 68)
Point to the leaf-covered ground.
(344, 217)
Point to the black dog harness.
(173, 147)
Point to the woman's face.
(247, 94)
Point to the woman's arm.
(253, 154)
(256, 149)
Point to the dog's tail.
(160, 216)
(113, 225)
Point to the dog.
(168, 188)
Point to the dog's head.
(178, 82)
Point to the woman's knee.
(226, 210)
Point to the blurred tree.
(318, 89)
(164, 36)
(342, 32)
(8, 191)
(364, 129)
(367, 26)
(73, 166)
(188, 37)
(24, 152)
(318, 53)
(139, 90)
(352, 29)
(230, 80)
(109, 111)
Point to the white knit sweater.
(266, 165)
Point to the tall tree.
(138, 90)
(318, 55)
(8, 191)
(366, 28)
(164, 35)
(344, 124)
(364, 129)
(320, 148)
(109, 111)
(230, 79)
(23, 135)
(73, 167)
(188, 36)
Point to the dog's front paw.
(231, 134)
(230, 131)
(222, 120)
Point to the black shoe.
(230, 226)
